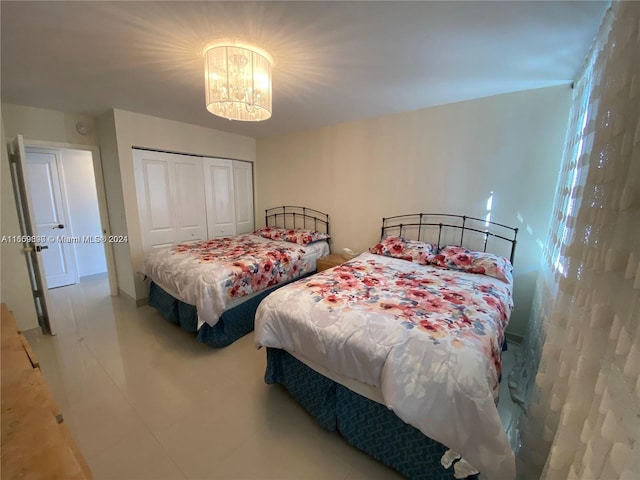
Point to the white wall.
(82, 201)
(442, 159)
(120, 131)
(15, 288)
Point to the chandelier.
(237, 80)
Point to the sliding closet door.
(243, 185)
(170, 198)
(219, 191)
(190, 209)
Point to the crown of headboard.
(291, 216)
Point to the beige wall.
(137, 130)
(442, 159)
(115, 201)
(47, 125)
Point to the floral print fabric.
(459, 258)
(428, 338)
(296, 235)
(411, 250)
(441, 304)
(212, 273)
(254, 265)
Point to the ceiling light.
(237, 80)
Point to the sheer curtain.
(577, 379)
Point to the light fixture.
(237, 80)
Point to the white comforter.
(437, 374)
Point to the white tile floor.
(144, 400)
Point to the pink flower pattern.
(297, 235)
(411, 250)
(459, 258)
(443, 304)
(255, 265)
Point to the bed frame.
(364, 423)
(290, 216)
(461, 230)
(237, 321)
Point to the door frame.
(102, 199)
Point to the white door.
(171, 200)
(33, 247)
(49, 216)
(155, 205)
(190, 206)
(243, 185)
(218, 185)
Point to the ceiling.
(335, 61)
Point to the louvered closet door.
(219, 192)
(243, 185)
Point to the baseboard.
(94, 276)
(513, 338)
(138, 302)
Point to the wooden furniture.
(35, 442)
(330, 261)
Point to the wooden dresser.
(35, 442)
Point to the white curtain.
(577, 379)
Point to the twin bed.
(398, 349)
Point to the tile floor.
(144, 400)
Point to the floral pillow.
(295, 235)
(305, 237)
(460, 258)
(271, 233)
(411, 250)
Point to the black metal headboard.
(290, 216)
(469, 232)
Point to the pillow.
(271, 233)
(304, 237)
(293, 235)
(459, 258)
(411, 250)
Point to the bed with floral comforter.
(427, 337)
(217, 274)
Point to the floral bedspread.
(429, 338)
(210, 274)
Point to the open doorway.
(65, 206)
(81, 173)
